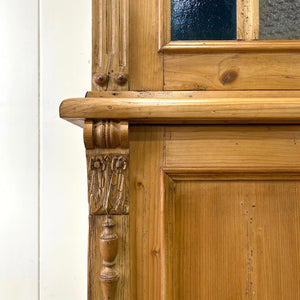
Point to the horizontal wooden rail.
(230, 46)
(186, 108)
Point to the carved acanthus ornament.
(107, 179)
(107, 161)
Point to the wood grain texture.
(233, 146)
(95, 261)
(230, 46)
(189, 107)
(110, 43)
(105, 134)
(177, 95)
(108, 246)
(241, 237)
(168, 236)
(248, 20)
(265, 71)
(146, 148)
(146, 64)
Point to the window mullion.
(247, 20)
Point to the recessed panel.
(203, 20)
(279, 19)
(236, 240)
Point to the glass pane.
(279, 19)
(203, 20)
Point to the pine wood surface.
(247, 20)
(237, 46)
(95, 260)
(145, 64)
(232, 71)
(192, 234)
(194, 94)
(233, 146)
(146, 158)
(236, 240)
(189, 107)
(110, 38)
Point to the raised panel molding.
(233, 222)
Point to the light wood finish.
(234, 236)
(177, 95)
(108, 193)
(230, 46)
(108, 182)
(146, 65)
(146, 148)
(108, 245)
(105, 134)
(193, 107)
(263, 147)
(247, 20)
(168, 236)
(237, 232)
(164, 23)
(244, 71)
(110, 44)
(95, 260)
(214, 210)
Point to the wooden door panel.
(215, 212)
(234, 240)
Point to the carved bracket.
(107, 164)
(107, 156)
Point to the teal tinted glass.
(203, 20)
(279, 19)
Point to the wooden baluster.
(109, 277)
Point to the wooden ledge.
(185, 107)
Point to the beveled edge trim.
(230, 46)
(246, 173)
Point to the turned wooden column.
(107, 155)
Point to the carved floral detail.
(107, 180)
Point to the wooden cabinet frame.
(142, 83)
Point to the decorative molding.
(108, 183)
(110, 44)
(107, 156)
(246, 107)
(108, 243)
(106, 134)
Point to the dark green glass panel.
(203, 20)
(279, 19)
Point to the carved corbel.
(107, 155)
(107, 160)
